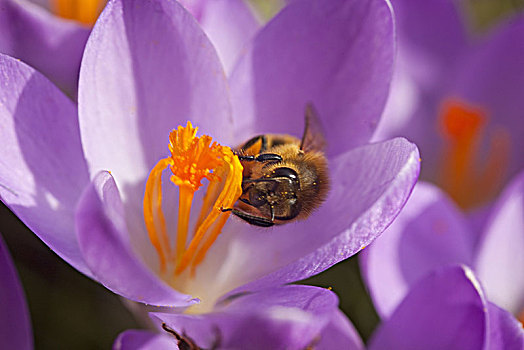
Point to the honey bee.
(284, 178)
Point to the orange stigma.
(84, 11)
(192, 160)
(470, 176)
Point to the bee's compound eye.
(285, 172)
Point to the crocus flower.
(50, 35)
(432, 232)
(457, 95)
(447, 309)
(80, 184)
(15, 324)
(289, 317)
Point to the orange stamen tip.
(84, 11)
(193, 157)
(192, 160)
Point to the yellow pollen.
(84, 11)
(192, 160)
(469, 179)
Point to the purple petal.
(290, 317)
(50, 44)
(398, 116)
(412, 114)
(308, 298)
(445, 310)
(369, 187)
(230, 24)
(15, 325)
(429, 232)
(431, 40)
(144, 340)
(505, 332)
(499, 258)
(148, 67)
(337, 55)
(104, 242)
(432, 36)
(488, 79)
(42, 167)
(340, 332)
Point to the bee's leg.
(217, 343)
(250, 218)
(263, 179)
(246, 201)
(262, 158)
(183, 341)
(166, 328)
(257, 144)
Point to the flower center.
(192, 160)
(84, 11)
(471, 177)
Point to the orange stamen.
(468, 183)
(226, 198)
(192, 160)
(185, 198)
(84, 11)
(153, 215)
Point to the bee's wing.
(313, 138)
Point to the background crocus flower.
(456, 93)
(431, 232)
(49, 35)
(290, 317)
(79, 185)
(15, 323)
(447, 309)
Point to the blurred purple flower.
(289, 317)
(50, 35)
(79, 184)
(15, 323)
(447, 309)
(34, 32)
(431, 232)
(458, 97)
